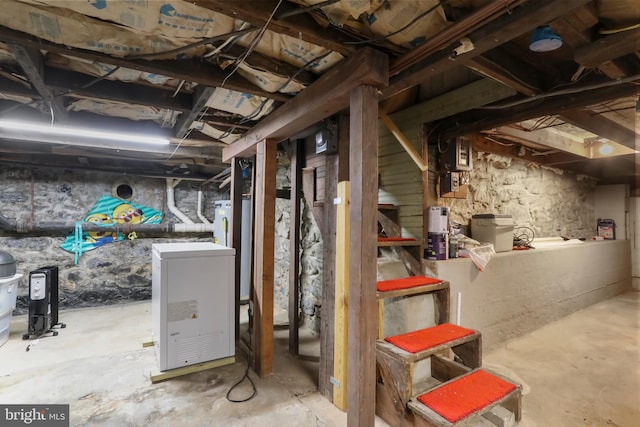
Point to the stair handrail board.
(416, 290)
(408, 357)
(511, 401)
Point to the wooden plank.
(608, 48)
(32, 63)
(325, 97)
(337, 169)
(426, 130)
(297, 160)
(391, 244)
(341, 322)
(363, 310)
(196, 71)
(444, 369)
(200, 98)
(237, 184)
(435, 288)
(601, 126)
(309, 191)
(521, 20)
(402, 139)
(263, 257)
(158, 376)
(301, 27)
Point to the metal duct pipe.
(200, 215)
(121, 228)
(171, 201)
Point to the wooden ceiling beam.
(485, 144)
(73, 83)
(507, 70)
(479, 120)
(505, 28)
(200, 98)
(10, 87)
(190, 70)
(327, 96)
(601, 126)
(608, 48)
(299, 27)
(31, 61)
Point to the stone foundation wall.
(548, 200)
(115, 272)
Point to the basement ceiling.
(206, 73)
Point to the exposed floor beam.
(601, 126)
(507, 27)
(327, 96)
(479, 120)
(500, 71)
(299, 27)
(190, 70)
(200, 98)
(31, 61)
(608, 48)
(131, 93)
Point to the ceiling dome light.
(543, 39)
(605, 148)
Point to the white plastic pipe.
(171, 201)
(193, 228)
(200, 215)
(459, 308)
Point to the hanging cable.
(244, 377)
(413, 21)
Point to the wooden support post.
(341, 323)
(425, 184)
(404, 141)
(263, 257)
(336, 170)
(297, 160)
(363, 310)
(236, 231)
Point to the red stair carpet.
(468, 394)
(423, 339)
(406, 283)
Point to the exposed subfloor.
(581, 370)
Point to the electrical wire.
(620, 30)
(247, 377)
(523, 237)
(399, 30)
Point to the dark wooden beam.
(483, 143)
(601, 126)
(608, 48)
(200, 98)
(10, 87)
(32, 63)
(191, 70)
(363, 248)
(479, 120)
(336, 170)
(297, 161)
(503, 29)
(73, 83)
(328, 95)
(508, 71)
(299, 27)
(263, 256)
(237, 185)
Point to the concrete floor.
(581, 370)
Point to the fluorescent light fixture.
(80, 132)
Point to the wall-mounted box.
(457, 155)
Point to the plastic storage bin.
(494, 229)
(8, 294)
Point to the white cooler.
(495, 229)
(8, 295)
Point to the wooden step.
(460, 400)
(396, 365)
(412, 285)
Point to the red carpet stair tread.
(396, 239)
(406, 283)
(466, 395)
(424, 339)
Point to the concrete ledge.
(521, 291)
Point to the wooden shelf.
(390, 243)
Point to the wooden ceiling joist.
(32, 63)
(200, 98)
(476, 121)
(327, 96)
(608, 48)
(507, 27)
(601, 126)
(190, 70)
(300, 26)
(79, 84)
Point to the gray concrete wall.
(115, 272)
(521, 291)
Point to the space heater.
(43, 302)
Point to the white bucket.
(8, 295)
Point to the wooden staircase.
(465, 391)
(408, 249)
